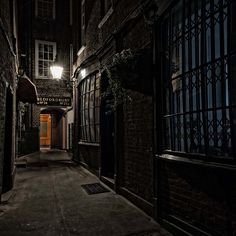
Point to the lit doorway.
(45, 131)
(53, 128)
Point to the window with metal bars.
(89, 100)
(195, 59)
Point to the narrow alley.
(50, 201)
(118, 117)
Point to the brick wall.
(137, 156)
(55, 30)
(7, 80)
(202, 196)
(2, 126)
(35, 116)
(90, 155)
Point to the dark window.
(45, 9)
(89, 91)
(195, 75)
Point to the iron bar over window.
(195, 61)
(89, 91)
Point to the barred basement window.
(45, 53)
(196, 79)
(89, 95)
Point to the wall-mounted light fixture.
(56, 69)
(83, 72)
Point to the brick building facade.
(170, 149)
(194, 154)
(115, 142)
(8, 78)
(46, 36)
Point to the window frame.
(202, 64)
(43, 17)
(37, 42)
(89, 132)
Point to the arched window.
(89, 102)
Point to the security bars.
(195, 59)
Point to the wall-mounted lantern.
(56, 69)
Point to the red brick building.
(115, 143)
(165, 137)
(194, 154)
(45, 29)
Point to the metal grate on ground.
(94, 188)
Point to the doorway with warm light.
(52, 129)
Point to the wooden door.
(45, 130)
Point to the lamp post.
(56, 69)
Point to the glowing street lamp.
(56, 70)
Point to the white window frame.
(37, 42)
(54, 9)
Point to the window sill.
(105, 18)
(200, 162)
(89, 144)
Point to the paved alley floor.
(48, 200)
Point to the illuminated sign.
(54, 101)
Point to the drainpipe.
(155, 160)
(74, 78)
(117, 146)
(157, 119)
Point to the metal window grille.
(195, 61)
(89, 91)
